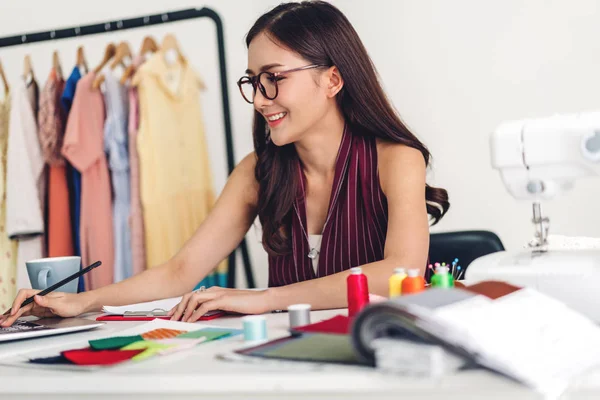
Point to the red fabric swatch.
(88, 356)
(339, 324)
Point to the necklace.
(313, 253)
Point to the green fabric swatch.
(317, 347)
(207, 333)
(151, 348)
(114, 342)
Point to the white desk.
(198, 374)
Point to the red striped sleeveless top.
(356, 224)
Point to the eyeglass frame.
(255, 81)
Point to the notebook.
(518, 332)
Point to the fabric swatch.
(310, 347)
(161, 333)
(88, 356)
(146, 348)
(161, 347)
(114, 342)
(232, 332)
(205, 333)
(177, 344)
(54, 360)
(339, 324)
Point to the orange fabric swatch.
(162, 333)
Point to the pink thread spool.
(358, 291)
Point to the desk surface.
(199, 374)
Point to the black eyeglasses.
(266, 82)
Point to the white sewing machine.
(539, 159)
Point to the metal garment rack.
(145, 21)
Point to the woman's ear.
(335, 82)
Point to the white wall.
(454, 70)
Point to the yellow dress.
(176, 184)
(8, 248)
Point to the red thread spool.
(413, 283)
(358, 291)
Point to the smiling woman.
(336, 180)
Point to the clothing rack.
(145, 21)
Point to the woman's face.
(301, 101)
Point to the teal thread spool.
(255, 328)
(442, 278)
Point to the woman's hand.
(195, 304)
(52, 305)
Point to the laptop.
(28, 329)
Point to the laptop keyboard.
(23, 326)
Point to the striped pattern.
(356, 225)
(161, 333)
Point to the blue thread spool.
(255, 328)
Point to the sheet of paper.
(164, 305)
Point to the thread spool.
(395, 282)
(442, 278)
(413, 283)
(255, 328)
(358, 291)
(299, 315)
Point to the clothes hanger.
(170, 43)
(56, 64)
(109, 52)
(123, 50)
(81, 61)
(148, 46)
(27, 69)
(4, 80)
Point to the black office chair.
(464, 245)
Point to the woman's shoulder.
(391, 152)
(248, 163)
(398, 161)
(243, 174)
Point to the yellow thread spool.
(395, 282)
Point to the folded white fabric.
(562, 242)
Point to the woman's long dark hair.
(321, 34)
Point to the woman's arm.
(217, 236)
(402, 178)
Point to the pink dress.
(84, 148)
(136, 219)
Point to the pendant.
(312, 254)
